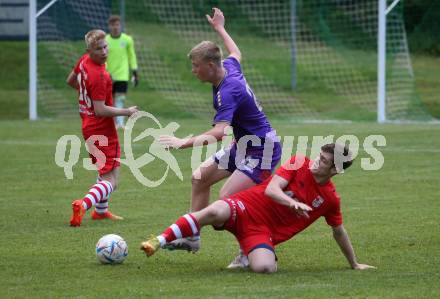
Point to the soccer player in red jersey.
(274, 211)
(244, 163)
(94, 86)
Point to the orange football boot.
(106, 215)
(150, 246)
(78, 212)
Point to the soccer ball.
(111, 249)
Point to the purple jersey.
(236, 104)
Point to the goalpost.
(306, 60)
(33, 16)
(33, 114)
(53, 50)
(383, 11)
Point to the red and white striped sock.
(185, 226)
(102, 206)
(98, 193)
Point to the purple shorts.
(257, 162)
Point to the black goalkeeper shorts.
(120, 87)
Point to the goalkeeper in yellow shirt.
(120, 61)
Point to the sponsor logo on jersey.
(317, 201)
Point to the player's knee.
(197, 181)
(212, 213)
(265, 268)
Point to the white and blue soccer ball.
(111, 249)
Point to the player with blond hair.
(255, 151)
(90, 78)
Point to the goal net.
(306, 60)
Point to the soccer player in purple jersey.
(255, 150)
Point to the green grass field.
(392, 216)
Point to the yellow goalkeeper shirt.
(121, 57)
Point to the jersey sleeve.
(232, 64)
(334, 216)
(226, 108)
(76, 67)
(97, 87)
(132, 60)
(286, 171)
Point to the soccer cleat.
(78, 212)
(150, 246)
(189, 244)
(106, 215)
(241, 261)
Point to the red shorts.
(249, 234)
(104, 156)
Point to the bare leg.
(215, 214)
(262, 260)
(203, 178)
(112, 177)
(237, 182)
(187, 226)
(206, 175)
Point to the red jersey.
(282, 221)
(95, 84)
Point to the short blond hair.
(207, 51)
(93, 36)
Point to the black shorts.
(120, 87)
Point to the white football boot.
(241, 261)
(190, 244)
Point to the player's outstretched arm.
(102, 110)
(211, 136)
(341, 237)
(217, 22)
(275, 191)
(71, 80)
